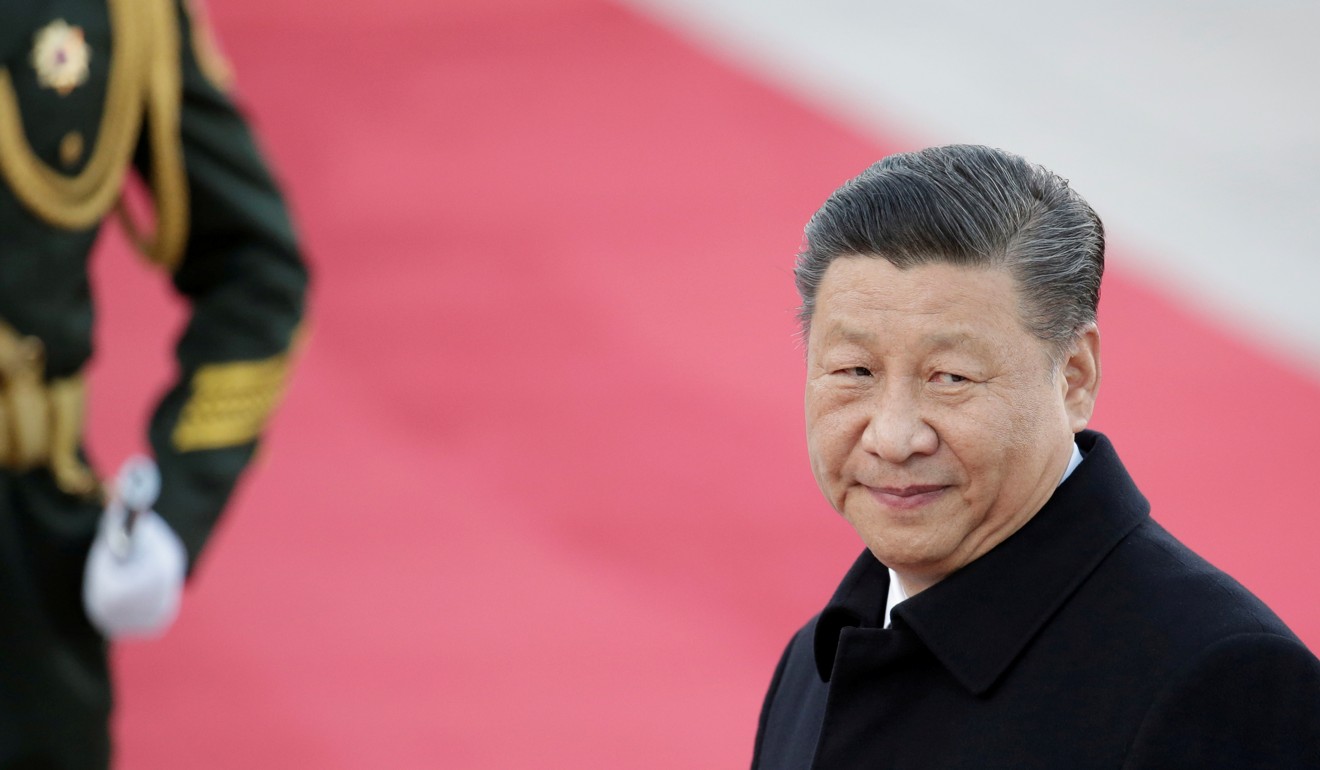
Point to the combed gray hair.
(974, 206)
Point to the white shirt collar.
(896, 592)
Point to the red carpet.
(539, 496)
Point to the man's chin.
(909, 558)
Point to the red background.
(538, 496)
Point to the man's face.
(936, 422)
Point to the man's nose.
(897, 428)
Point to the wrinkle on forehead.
(850, 300)
(842, 331)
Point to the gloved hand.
(134, 576)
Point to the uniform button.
(71, 149)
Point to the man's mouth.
(906, 498)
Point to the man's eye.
(949, 378)
(857, 371)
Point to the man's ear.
(1081, 377)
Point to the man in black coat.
(1016, 606)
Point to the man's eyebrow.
(947, 340)
(937, 341)
(855, 335)
(841, 333)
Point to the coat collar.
(979, 619)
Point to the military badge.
(60, 57)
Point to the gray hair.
(973, 206)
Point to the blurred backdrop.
(538, 496)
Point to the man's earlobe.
(1081, 373)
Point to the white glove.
(134, 576)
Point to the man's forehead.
(869, 288)
(869, 274)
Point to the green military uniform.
(91, 89)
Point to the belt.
(40, 420)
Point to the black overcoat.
(1091, 638)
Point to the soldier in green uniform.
(90, 91)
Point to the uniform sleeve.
(1250, 701)
(244, 281)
